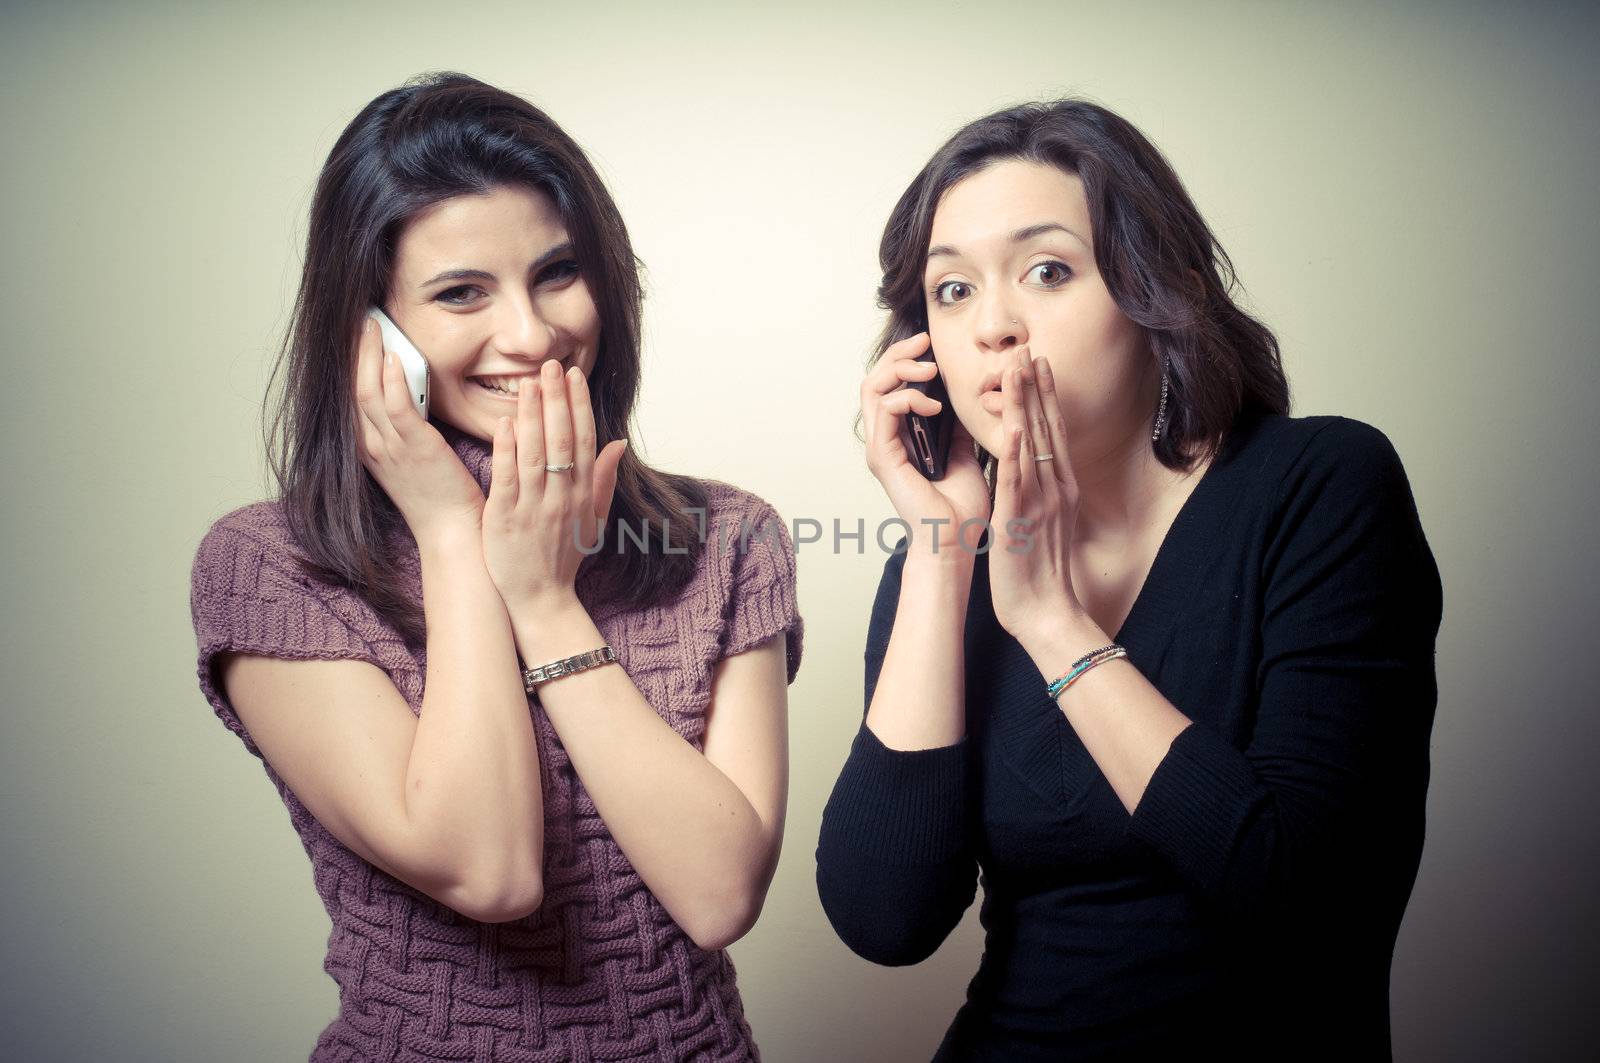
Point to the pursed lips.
(991, 380)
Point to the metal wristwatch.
(532, 677)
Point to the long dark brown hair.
(1161, 263)
(438, 136)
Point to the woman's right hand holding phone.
(962, 494)
(411, 461)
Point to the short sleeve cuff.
(239, 603)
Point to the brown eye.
(951, 292)
(560, 272)
(451, 296)
(1050, 274)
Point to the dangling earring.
(1161, 414)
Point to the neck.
(1121, 487)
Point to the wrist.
(1062, 638)
(947, 561)
(552, 626)
(546, 607)
(449, 540)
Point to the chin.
(991, 434)
(466, 418)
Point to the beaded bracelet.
(1083, 664)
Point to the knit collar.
(476, 454)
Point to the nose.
(999, 327)
(521, 332)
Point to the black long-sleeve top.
(1250, 902)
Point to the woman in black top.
(1207, 842)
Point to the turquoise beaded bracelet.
(1083, 664)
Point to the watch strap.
(533, 677)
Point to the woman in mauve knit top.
(510, 877)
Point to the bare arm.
(703, 830)
(449, 803)
(919, 698)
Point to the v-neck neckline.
(1175, 549)
(1157, 577)
(1029, 724)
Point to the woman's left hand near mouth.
(1035, 508)
(539, 525)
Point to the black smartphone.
(927, 439)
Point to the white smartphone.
(412, 364)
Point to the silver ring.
(1043, 457)
(558, 468)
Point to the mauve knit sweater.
(601, 971)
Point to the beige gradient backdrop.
(1408, 194)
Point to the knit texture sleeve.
(1328, 796)
(245, 596)
(762, 599)
(895, 870)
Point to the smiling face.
(488, 289)
(1011, 267)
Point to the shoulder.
(737, 518)
(251, 553)
(252, 587)
(242, 541)
(1319, 456)
(1340, 503)
(1351, 455)
(1344, 442)
(262, 522)
(746, 541)
(751, 564)
(726, 501)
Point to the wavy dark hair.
(1160, 262)
(441, 135)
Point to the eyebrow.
(1025, 233)
(481, 275)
